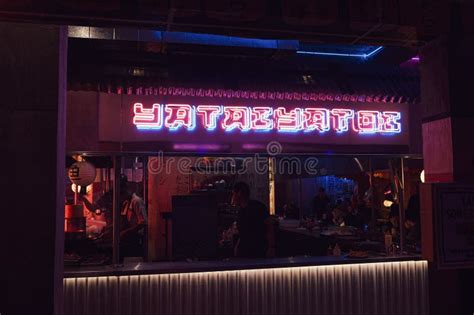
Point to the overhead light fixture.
(137, 72)
(75, 189)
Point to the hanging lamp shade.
(82, 173)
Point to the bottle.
(336, 251)
(394, 249)
(329, 251)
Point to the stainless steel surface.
(377, 288)
(225, 265)
(301, 154)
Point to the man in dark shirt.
(413, 209)
(355, 218)
(321, 204)
(254, 240)
(412, 219)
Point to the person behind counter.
(338, 214)
(132, 222)
(321, 204)
(357, 215)
(412, 218)
(255, 238)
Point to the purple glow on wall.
(253, 146)
(198, 147)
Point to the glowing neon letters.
(236, 117)
(180, 115)
(148, 118)
(367, 121)
(209, 114)
(390, 122)
(260, 118)
(316, 119)
(287, 120)
(341, 118)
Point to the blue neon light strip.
(363, 56)
(231, 41)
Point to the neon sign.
(180, 115)
(236, 117)
(366, 122)
(261, 118)
(316, 119)
(148, 118)
(209, 114)
(340, 118)
(289, 121)
(280, 119)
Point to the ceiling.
(407, 23)
(99, 62)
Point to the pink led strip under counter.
(280, 119)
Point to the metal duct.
(354, 289)
(178, 38)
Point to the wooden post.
(401, 205)
(116, 211)
(271, 184)
(372, 210)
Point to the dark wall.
(448, 116)
(336, 21)
(82, 130)
(32, 133)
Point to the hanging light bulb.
(387, 203)
(422, 176)
(75, 189)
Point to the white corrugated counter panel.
(359, 289)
